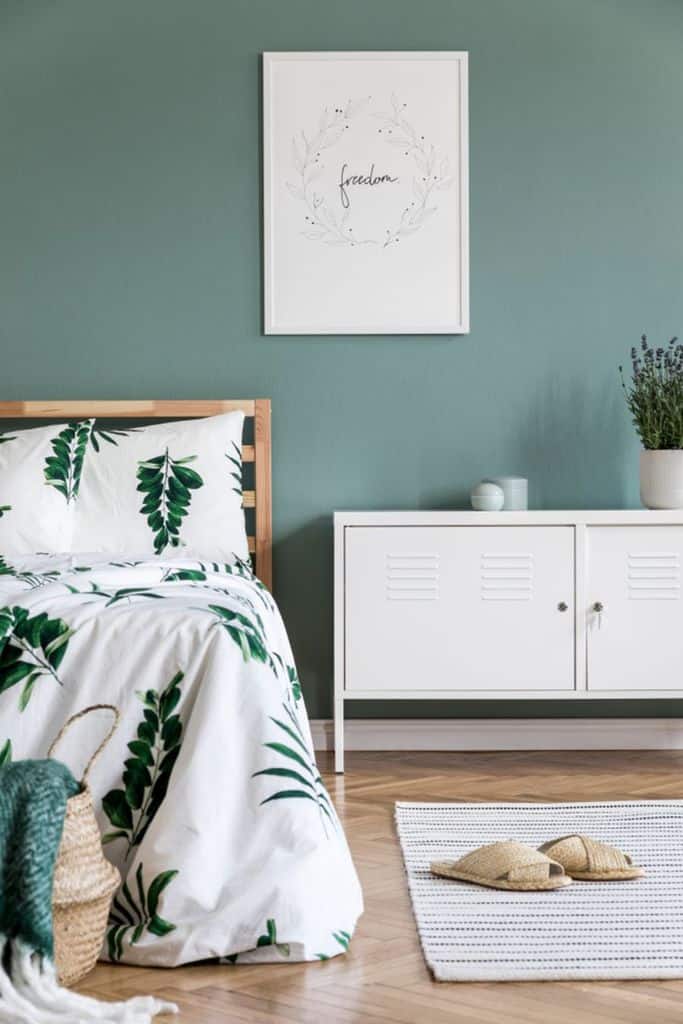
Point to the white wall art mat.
(366, 193)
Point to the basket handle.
(82, 714)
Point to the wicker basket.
(84, 880)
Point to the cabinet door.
(471, 609)
(636, 641)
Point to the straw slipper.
(590, 860)
(508, 865)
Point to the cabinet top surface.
(532, 517)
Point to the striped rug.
(590, 930)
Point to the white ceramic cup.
(515, 492)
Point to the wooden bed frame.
(258, 409)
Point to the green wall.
(130, 252)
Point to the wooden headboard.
(257, 409)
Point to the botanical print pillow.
(150, 490)
(40, 475)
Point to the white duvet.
(208, 794)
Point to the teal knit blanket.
(33, 796)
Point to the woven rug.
(588, 931)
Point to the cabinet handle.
(562, 606)
(598, 610)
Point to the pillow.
(40, 474)
(148, 490)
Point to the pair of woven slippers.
(518, 867)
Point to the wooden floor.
(384, 979)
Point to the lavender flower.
(655, 394)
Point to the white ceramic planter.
(661, 478)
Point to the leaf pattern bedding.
(208, 796)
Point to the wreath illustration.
(432, 174)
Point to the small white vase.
(661, 478)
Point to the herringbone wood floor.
(384, 980)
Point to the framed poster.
(366, 193)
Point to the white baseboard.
(503, 734)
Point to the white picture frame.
(365, 187)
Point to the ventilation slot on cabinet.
(507, 577)
(412, 577)
(654, 576)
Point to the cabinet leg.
(339, 736)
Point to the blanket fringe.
(31, 994)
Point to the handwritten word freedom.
(346, 180)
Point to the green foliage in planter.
(654, 394)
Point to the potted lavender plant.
(654, 396)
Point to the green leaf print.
(4, 438)
(147, 773)
(128, 592)
(176, 575)
(113, 597)
(30, 647)
(236, 468)
(340, 937)
(292, 676)
(247, 634)
(167, 485)
(109, 435)
(130, 918)
(270, 939)
(298, 767)
(245, 570)
(240, 569)
(6, 753)
(33, 579)
(64, 467)
(294, 681)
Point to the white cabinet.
(471, 609)
(466, 605)
(635, 610)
